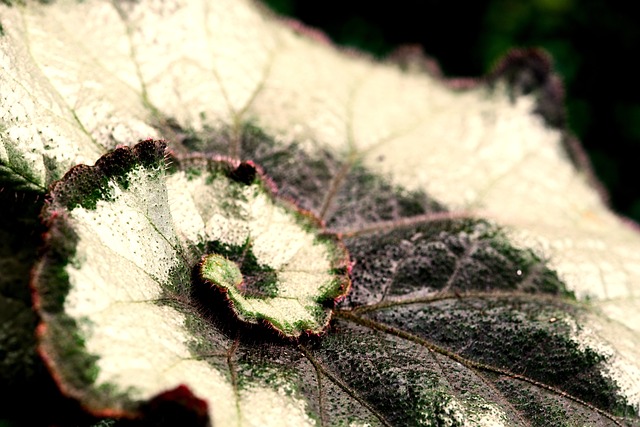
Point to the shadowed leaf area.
(20, 367)
(23, 376)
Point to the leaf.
(375, 150)
(446, 320)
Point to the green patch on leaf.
(221, 272)
(16, 171)
(272, 265)
(255, 280)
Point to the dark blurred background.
(593, 42)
